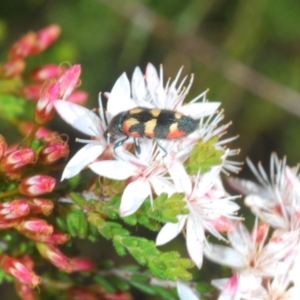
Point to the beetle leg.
(161, 147)
(119, 143)
(137, 146)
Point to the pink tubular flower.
(31, 91)
(37, 185)
(56, 238)
(18, 270)
(12, 68)
(46, 72)
(81, 264)
(44, 38)
(36, 226)
(55, 256)
(43, 133)
(25, 292)
(52, 153)
(13, 209)
(17, 159)
(78, 97)
(40, 206)
(23, 47)
(68, 81)
(44, 109)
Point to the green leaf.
(104, 283)
(76, 223)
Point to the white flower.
(276, 199)
(207, 204)
(251, 256)
(144, 173)
(90, 124)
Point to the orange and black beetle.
(151, 123)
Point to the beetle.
(153, 123)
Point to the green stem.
(9, 193)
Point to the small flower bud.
(80, 264)
(26, 127)
(222, 224)
(13, 209)
(78, 97)
(32, 91)
(52, 153)
(14, 267)
(25, 292)
(40, 206)
(56, 238)
(36, 226)
(23, 46)
(68, 81)
(3, 146)
(46, 72)
(45, 37)
(37, 185)
(17, 159)
(55, 256)
(44, 109)
(13, 68)
(5, 224)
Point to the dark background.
(246, 52)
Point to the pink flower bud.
(25, 292)
(18, 270)
(12, 68)
(118, 296)
(44, 109)
(45, 37)
(5, 224)
(55, 256)
(56, 238)
(23, 46)
(52, 153)
(259, 232)
(13, 209)
(43, 133)
(82, 264)
(37, 185)
(17, 159)
(3, 146)
(46, 72)
(40, 206)
(78, 97)
(32, 91)
(68, 81)
(79, 293)
(36, 226)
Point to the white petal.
(244, 186)
(119, 98)
(162, 185)
(139, 90)
(81, 159)
(195, 240)
(114, 169)
(224, 255)
(133, 196)
(240, 239)
(185, 292)
(179, 176)
(199, 109)
(169, 231)
(79, 117)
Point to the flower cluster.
(265, 262)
